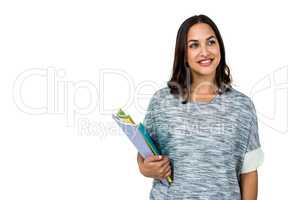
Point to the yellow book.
(124, 117)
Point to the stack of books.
(139, 136)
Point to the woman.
(207, 130)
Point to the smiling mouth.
(205, 62)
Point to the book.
(139, 137)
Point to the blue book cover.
(148, 139)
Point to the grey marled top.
(209, 144)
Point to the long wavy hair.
(181, 79)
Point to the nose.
(203, 51)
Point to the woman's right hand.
(157, 167)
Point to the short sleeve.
(254, 155)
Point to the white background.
(58, 140)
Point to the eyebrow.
(193, 40)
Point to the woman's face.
(203, 51)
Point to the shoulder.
(158, 96)
(241, 102)
(163, 99)
(161, 94)
(242, 105)
(237, 97)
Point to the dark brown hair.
(181, 78)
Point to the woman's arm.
(249, 185)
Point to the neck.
(203, 85)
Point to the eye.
(211, 42)
(194, 45)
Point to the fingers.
(165, 170)
(161, 159)
(154, 158)
(164, 163)
(165, 173)
(168, 173)
(159, 166)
